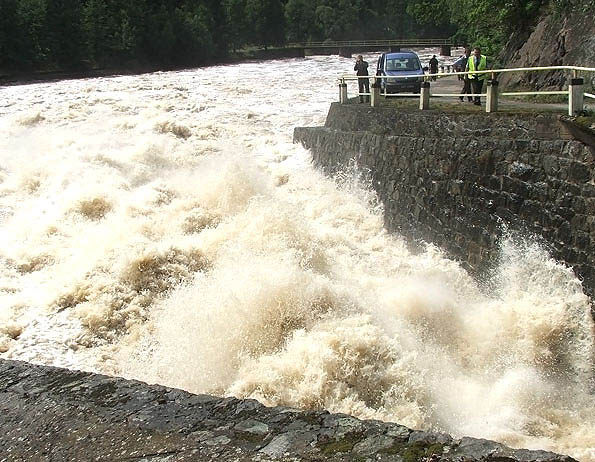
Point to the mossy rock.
(342, 445)
(414, 452)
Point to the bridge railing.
(371, 43)
(575, 92)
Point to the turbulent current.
(164, 227)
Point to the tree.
(235, 12)
(96, 26)
(300, 18)
(267, 21)
(160, 39)
(487, 23)
(218, 25)
(9, 34)
(194, 40)
(64, 32)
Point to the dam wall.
(52, 414)
(462, 180)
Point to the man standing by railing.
(433, 67)
(461, 67)
(361, 67)
(477, 62)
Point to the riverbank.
(9, 78)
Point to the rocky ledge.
(51, 414)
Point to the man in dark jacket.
(466, 82)
(361, 68)
(433, 66)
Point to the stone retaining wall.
(454, 179)
(51, 414)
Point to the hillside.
(556, 40)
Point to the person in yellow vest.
(477, 62)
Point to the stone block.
(578, 171)
(581, 240)
(521, 170)
(563, 234)
(579, 222)
(588, 190)
(551, 165)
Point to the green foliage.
(235, 11)
(571, 6)
(267, 22)
(300, 18)
(65, 34)
(485, 23)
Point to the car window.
(402, 64)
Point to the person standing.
(361, 68)
(466, 82)
(433, 66)
(477, 62)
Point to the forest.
(87, 34)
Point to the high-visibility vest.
(483, 62)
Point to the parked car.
(395, 66)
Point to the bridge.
(347, 47)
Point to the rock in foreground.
(48, 413)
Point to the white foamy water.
(164, 227)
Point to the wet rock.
(373, 444)
(278, 447)
(253, 427)
(55, 414)
(429, 438)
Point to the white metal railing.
(575, 92)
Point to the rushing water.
(164, 227)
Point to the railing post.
(375, 92)
(343, 92)
(576, 96)
(424, 96)
(492, 96)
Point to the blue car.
(395, 66)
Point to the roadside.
(452, 85)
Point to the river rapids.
(163, 227)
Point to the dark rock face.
(51, 414)
(555, 41)
(456, 179)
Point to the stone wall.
(51, 414)
(454, 179)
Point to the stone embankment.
(461, 179)
(51, 414)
